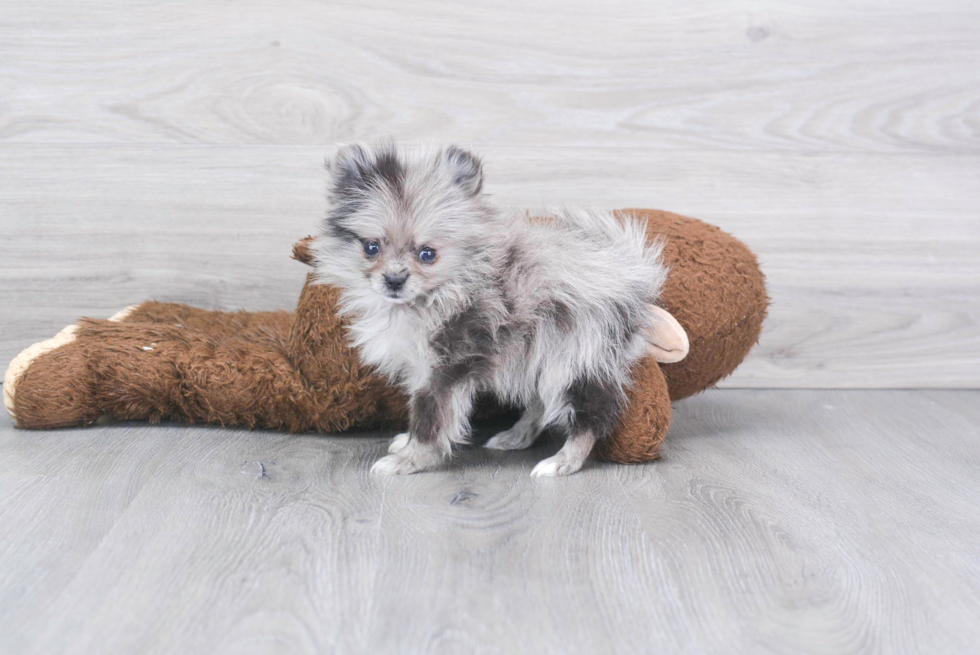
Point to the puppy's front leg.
(439, 418)
(398, 442)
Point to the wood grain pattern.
(863, 295)
(172, 150)
(779, 521)
(809, 76)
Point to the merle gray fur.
(547, 314)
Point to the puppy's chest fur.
(420, 348)
(396, 341)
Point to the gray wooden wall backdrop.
(173, 150)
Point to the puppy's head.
(404, 228)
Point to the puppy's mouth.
(399, 295)
(394, 298)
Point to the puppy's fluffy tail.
(639, 273)
(626, 234)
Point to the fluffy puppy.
(450, 297)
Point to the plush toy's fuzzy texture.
(295, 371)
(257, 369)
(717, 292)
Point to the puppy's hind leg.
(523, 433)
(596, 406)
(569, 459)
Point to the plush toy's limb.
(715, 290)
(160, 360)
(151, 371)
(55, 389)
(644, 424)
(154, 371)
(48, 385)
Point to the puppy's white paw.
(512, 439)
(398, 442)
(556, 466)
(396, 464)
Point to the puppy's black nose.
(395, 282)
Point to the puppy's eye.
(371, 248)
(427, 255)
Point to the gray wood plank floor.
(778, 522)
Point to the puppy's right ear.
(348, 167)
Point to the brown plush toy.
(296, 371)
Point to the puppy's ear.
(466, 169)
(348, 167)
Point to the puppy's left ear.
(466, 169)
